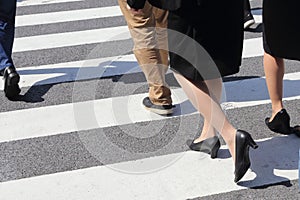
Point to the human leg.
(205, 103)
(146, 49)
(248, 17)
(237, 141)
(160, 89)
(7, 68)
(208, 130)
(7, 30)
(161, 23)
(247, 7)
(274, 72)
(208, 141)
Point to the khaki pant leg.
(161, 17)
(146, 50)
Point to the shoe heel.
(280, 123)
(252, 143)
(13, 79)
(215, 149)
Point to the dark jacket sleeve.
(136, 4)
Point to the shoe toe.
(12, 92)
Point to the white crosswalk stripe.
(67, 16)
(68, 39)
(41, 2)
(35, 164)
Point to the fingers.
(134, 11)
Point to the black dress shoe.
(243, 141)
(11, 80)
(158, 109)
(210, 146)
(280, 123)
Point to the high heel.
(210, 146)
(243, 141)
(280, 123)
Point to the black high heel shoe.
(209, 145)
(243, 141)
(280, 123)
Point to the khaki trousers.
(149, 34)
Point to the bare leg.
(274, 72)
(207, 105)
(208, 130)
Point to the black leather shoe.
(280, 123)
(11, 80)
(210, 146)
(243, 141)
(158, 109)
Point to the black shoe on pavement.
(248, 20)
(158, 109)
(280, 123)
(11, 81)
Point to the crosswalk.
(79, 130)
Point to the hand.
(134, 11)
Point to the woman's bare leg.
(274, 72)
(205, 102)
(208, 130)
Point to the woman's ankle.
(275, 110)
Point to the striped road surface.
(79, 130)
